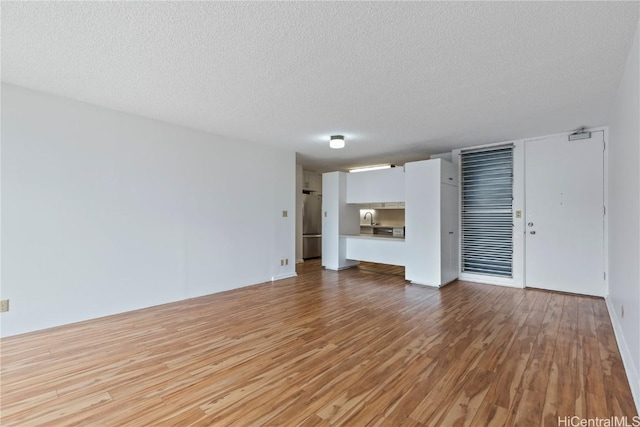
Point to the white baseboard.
(424, 284)
(344, 267)
(432, 286)
(488, 280)
(299, 261)
(284, 276)
(632, 374)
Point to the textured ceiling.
(400, 79)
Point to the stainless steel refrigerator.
(311, 226)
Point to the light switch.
(518, 214)
(285, 214)
(325, 214)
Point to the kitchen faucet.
(365, 216)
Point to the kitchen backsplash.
(389, 217)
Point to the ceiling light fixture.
(371, 168)
(336, 141)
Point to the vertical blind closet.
(487, 204)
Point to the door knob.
(532, 232)
(530, 224)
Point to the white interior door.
(565, 214)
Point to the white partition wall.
(376, 249)
(337, 218)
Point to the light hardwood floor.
(358, 347)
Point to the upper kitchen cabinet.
(312, 181)
(378, 186)
(448, 173)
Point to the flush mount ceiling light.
(336, 141)
(370, 168)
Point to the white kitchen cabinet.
(449, 220)
(431, 222)
(376, 187)
(449, 173)
(306, 180)
(311, 181)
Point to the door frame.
(604, 133)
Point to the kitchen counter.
(373, 236)
(374, 248)
(382, 230)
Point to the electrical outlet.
(4, 305)
(622, 311)
(281, 262)
(286, 261)
(285, 214)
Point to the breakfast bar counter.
(375, 248)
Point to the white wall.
(105, 212)
(338, 218)
(299, 206)
(282, 190)
(331, 183)
(624, 218)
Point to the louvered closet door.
(487, 199)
